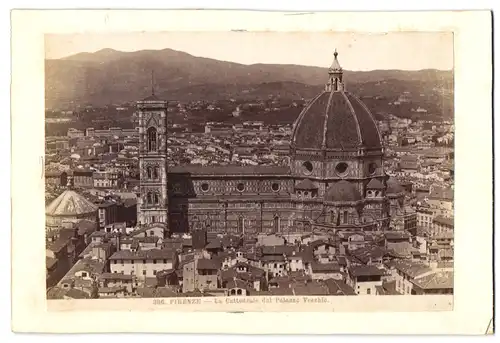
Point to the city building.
(335, 179)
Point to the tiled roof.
(278, 250)
(389, 235)
(375, 184)
(115, 276)
(412, 269)
(342, 191)
(437, 280)
(337, 287)
(204, 263)
(311, 288)
(393, 186)
(167, 254)
(306, 184)
(366, 271)
(325, 267)
(76, 294)
(70, 203)
(444, 221)
(229, 170)
(373, 252)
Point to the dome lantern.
(335, 76)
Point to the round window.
(204, 187)
(308, 167)
(240, 187)
(341, 168)
(275, 187)
(372, 168)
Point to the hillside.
(110, 76)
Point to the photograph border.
(472, 290)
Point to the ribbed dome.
(342, 191)
(70, 203)
(335, 119)
(393, 186)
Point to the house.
(397, 239)
(322, 248)
(114, 280)
(438, 282)
(82, 178)
(112, 292)
(365, 279)
(237, 287)
(442, 198)
(417, 278)
(107, 212)
(440, 247)
(274, 258)
(371, 255)
(323, 271)
(442, 225)
(338, 287)
(253, 276)
(270, 240)
(200, 273)
(56, 178)
(143, 263)
(404, 273)
(425, 217)
(139, 243)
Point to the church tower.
(152, 206)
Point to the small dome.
(70, 203)
(375, 184)
(342, 191)
(393, 186)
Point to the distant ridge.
(111, 76)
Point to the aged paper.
(468, 36)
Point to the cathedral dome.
(342, 191)
(70, 204)
(393, 186)
(335, 119)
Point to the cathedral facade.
(335, 179)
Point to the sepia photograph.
(176, 168)
(222, 171)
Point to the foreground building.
(335, 179)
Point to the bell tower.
(152, 205)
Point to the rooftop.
(70, 203)
(153, 254)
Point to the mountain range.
(113, 77)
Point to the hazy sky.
(409, 50)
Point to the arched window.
(149, 172)
(332, 216)
(156, 198)
(345, 217)
(156, 172)
(152, 139)
(233, 292)
(241, 225)
(150, 198)
(276, 224)
(238, 291)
